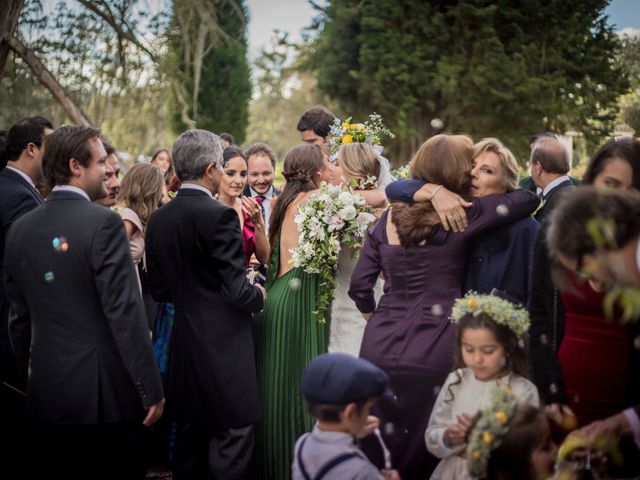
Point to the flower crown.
(488, 431)
(370, 132)
(501, 311)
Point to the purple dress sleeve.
(367, 270)
(496, 210)
(403, 190)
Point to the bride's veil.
(385, 169)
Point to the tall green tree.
(501, 68)
(212, 65)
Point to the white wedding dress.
(347, 323)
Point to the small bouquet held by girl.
(331, 217)
(489, 353)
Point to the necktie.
(260, 199)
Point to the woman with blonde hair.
(358, 165)
(408, 332)
(139, 196)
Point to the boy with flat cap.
(340, 390)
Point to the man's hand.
(615, 426)
(154, 413)
(562, 415)
(262, 290)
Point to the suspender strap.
(334, 462)
(300, 464)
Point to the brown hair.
(512, 458)
(62, 145)
(507, 160)
(261, 149)
(358, 160)
(318, 119)
(141, 190)
(442, 159)
(300, 166)
(588, 220)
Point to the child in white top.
(489, 354)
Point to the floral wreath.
(501, 311)
(371, 132)
(487, 433)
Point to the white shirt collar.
(268, 195)
(22, 174)
(193, 186)
(554, 184)
(71, 188)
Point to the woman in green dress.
(288, 335)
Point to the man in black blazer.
(22, 171)
(195, 259)
(77, 323)
(549, 166)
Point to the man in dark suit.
(549, 166)
(77, 323)
(18, 195)
(195, 258)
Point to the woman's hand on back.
(449, 206)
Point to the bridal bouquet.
(402, 172)
(370, 132)
(333, 216)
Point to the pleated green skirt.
(288, 337)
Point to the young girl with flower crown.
(511, 440)
(489, 354)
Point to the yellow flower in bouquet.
(347, 139)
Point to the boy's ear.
(349, 411)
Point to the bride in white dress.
(360, 166)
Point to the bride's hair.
(443, 160)
(359, 161)
(301, 166)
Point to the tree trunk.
(9, 15)
(74, 112)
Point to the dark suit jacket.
(77, 317)
(551, 199)
(17, 197)
(546, 309)
(195, 259)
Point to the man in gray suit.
(77, 323)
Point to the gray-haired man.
(195, 258)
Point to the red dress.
(248, 238)
(594, 357)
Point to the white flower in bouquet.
(346, 198)
(333, 216)
(348, 212)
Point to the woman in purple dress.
(408, 333)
